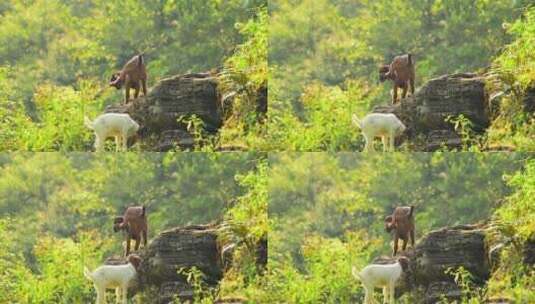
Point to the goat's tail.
(409, 55)
(410, 212)
(355, 273)
(87, 274)
(142, 210)
(140, 60)
(88, 123)
(356, 120)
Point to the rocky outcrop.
(170, 98)
(528, 252)
(451, 248)
(448, 248)
(426, 112)
(179, 96)
(528, 101)
(173, 249)
(476, 248)
(183, 248)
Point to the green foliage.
(12, 268)
(59, 278)
(327, 210)
(516, 220)
(471, 293)
(70, 49)
(56, 211)
(515, 66)
(464, 127)
(512, 280)
(244, 77)
(334, 44)
(250, 210)
(247, 223)
(349, 40)
(518, 214)
(201, 292)
(325, 120)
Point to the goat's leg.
(124, 292)
(411, 83)
(99, 143)
(392, 143)
(127, 94)
(395, 245)
(101, 295)
(404, 91)
(124, 140)
(385, 144)
(127, 246)
(392, 290)
(118, 295)
(404, 244)
(136, 92)
(385, 295)
(366, 143)
(117, 143)
(144, 86)
(137, 242)
(395, 94)
(369, 143)
(372, 148)
(412, 238)
(145, 238)
(366, 296)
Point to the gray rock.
(451, 248)
(181, 95)
(425, 113)
(440, 290)
(185, 247)
(529, 100)
(528, 252)
(173, 97)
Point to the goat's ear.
(404, 262)
(115, 81)
(384, 69)
(388, 219)
(134, 260)
(118, 219)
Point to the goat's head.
(400, 128)
(133, 133)
(384, 73)
(389, 223)
(118, 223)
(135, 260)
(404, 262)
(116, 82)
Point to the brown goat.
(132, 74)
(402, 222)
(134, 223)
(401, 72)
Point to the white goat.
(114, 276)
(117, 125)
(386, 126)
(381, 276)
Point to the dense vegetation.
(56, 58)
(324, 57)
(56, 213)
(326, 213)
